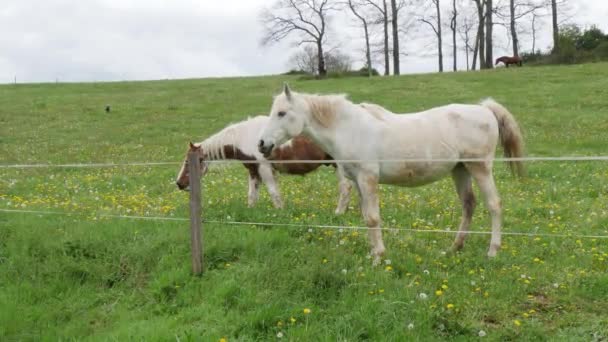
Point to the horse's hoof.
(456, 247)
(377, 260)
(491, 253)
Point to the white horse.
(237, 142)
(447, 134)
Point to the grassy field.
(85, 276)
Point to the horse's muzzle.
(265, 150)
(182, 187)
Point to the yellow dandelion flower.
(388, 268)
(444, 286)
(516, 322)
(307, 311)
(223, 339)
(438, 293)
(450, 306)
(292, 320)
(324, 261)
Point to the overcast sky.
(107, 40)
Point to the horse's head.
(287, 120)
(183, 177)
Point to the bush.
(576, 46)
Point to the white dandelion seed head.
(344, 271)
(310, 230)
(426, 272)
(280, 334)
(555, 285)
(410, 326)
(481, 333)
(387, 261)
(423, 296)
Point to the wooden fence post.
(194, 165)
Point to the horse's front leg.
(345, 187)
(267, 176)
(367, 185)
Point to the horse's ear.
(287, 91)
(193, 147)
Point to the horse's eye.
(281, 114)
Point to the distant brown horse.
(510, 60)
(238, 142)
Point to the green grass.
(85, 276)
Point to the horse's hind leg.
(482, 173)
(464, 188)
(265, 172)
(345, 186)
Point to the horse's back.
(448, 131)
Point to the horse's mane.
(213, 146)
(324, 107)
(375, 110)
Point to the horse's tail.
(510, 136)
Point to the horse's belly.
(414, 174)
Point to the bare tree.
(453, 26)
(382, 10)
(519, 9)
(489, 40)
(368, 55)
(305, 59)
(434, 21)
(465, 30)
(305, 19)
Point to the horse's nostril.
(261, 143)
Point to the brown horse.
(510, 60)
(238, 142)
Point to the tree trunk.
(555, 27)
(480, 43)
(387, 66)
(454, 22)
(475, 49)
(466, 50)
(322, 70)
(368, 53)
(533, 33)
(514, 29)
(489, 27)
(395, 37)
(439, 40)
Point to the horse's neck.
(325, 137)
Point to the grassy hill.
(86, 276)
